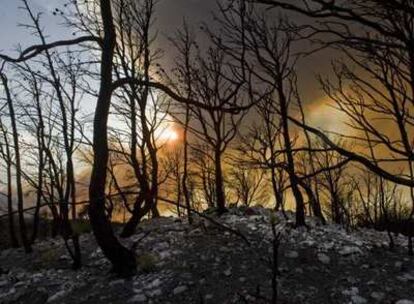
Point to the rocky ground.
(203, 263)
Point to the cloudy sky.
(169, 16)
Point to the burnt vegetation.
(214, 125)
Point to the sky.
(11, 16)
(169, 17)
(170, 14)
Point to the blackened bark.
(314, 203)
(41, 166)
(276, 191)
(55, 221)
(19, 185)
(7, 158)
(300, 206)
(122, 259)
(219, 183)
(137, 214)
(185, 172)
(12, 232)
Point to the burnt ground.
(204, 264)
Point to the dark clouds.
(170, 15)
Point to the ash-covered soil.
(202, 263)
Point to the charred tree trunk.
(19, 185)
(314, 203)
(185, 173)
(154, 183)
(40, 146)
(55, 220)
(13, 239)
(138, 212)
(77, 253)
(144, 203)
(7, 158)
(38, 199)
(146, 132)
(313, 194)
(122, 259)
(219, 183)
(300, 206)
(336, 209)
(276, 192)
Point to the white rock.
(179, 289)
(252, 227)
(405, 277)
(379, 296)
(409, 277)
(353, 291)
(164, 254)
(155, 293)
(323, 258)
(196, 231)
(358, 300)
(227, 272)
(154, 284)
(117, 282)
(292, 254)
(139, 298)
(65, 257)
(347, 250)
(20, 284)
(163, 245)
(37, 275)
(56, 296)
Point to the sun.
(168, 134)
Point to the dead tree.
(134, 59)
(203, 163)
(185, 45)
(173, 165)
(122, 259)
(33, 122)
(62, 80)
(375, 36)
(19, 181)
(248, 185)
(379, 201)
(262, 148)
(5, 153)
(332, 181)
(210, 85)
(273, 64)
